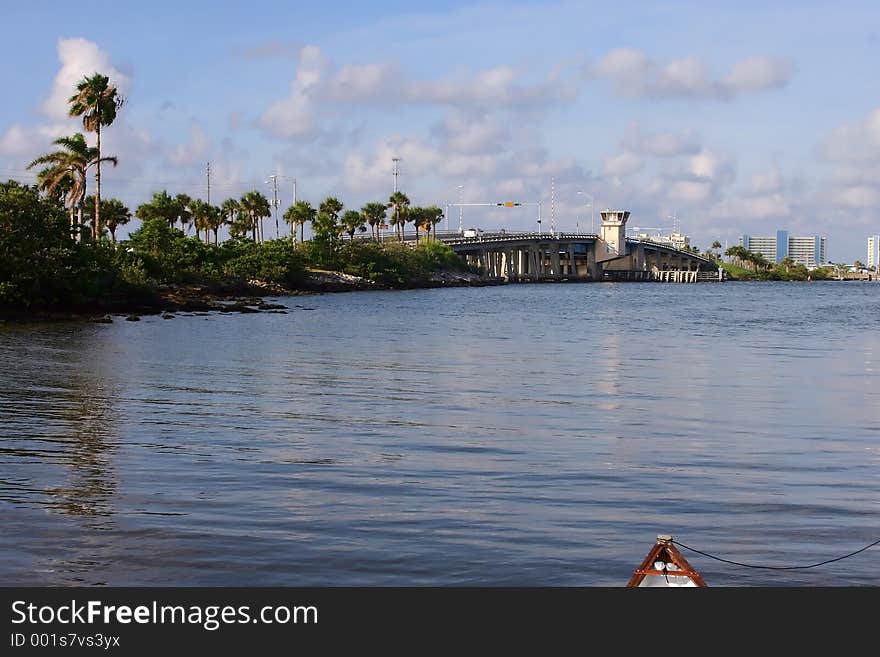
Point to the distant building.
(807, 251)
(675, 240)
(873, 251)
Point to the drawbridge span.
(607, 255)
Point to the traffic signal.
(508, 204)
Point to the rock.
(167, 316)
(106, 319)
(133, 318)
(271, 306)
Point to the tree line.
(58, 241)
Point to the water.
(521, 435)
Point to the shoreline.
(167, 300)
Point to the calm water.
(522, 435)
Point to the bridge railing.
(510, 236)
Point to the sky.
(743, 118)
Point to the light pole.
(460, 210)
(274, 180)
(592, 210)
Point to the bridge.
(607, 255)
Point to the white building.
(873, 251)
(807, 251)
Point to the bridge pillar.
(554, 260)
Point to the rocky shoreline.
(228, 298)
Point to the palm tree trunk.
(79, 223)
(97, 227)
(113, 235)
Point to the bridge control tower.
(613, 232)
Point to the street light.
(460, 209)
(592, 205)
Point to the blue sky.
(742, 118)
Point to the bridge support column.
(554, 260)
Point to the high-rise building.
(873, 251)
(808, 251)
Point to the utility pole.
(553, 206)
(396, 161)
(208, 174)
(274, 179)
(292, 203)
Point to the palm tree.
(228, 211)
(374, 214)
(113, 210)
(67, 169)
(96, 101)
(353, 221)
(57, 184)
(738, 253)
(201, 215)
(161, 206)
(433, 216)
(330, 208)
(399, 204)
(184, 212)
(214, 221)
(326, 224)
(417, 218)
(299, 214)
(256, 207)
(115, 214)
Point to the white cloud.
(853, 153)
(766, 182)
(636, 75)
(361, 82)
(857, 196)
(770, 206)
(293, 116)
(660, 144)
(493, 89)
(31, 141)
(79, 57)
(621, 164)
(472, 133)
(854, 142)
(758, 73)
(15, 141)
(198, 147)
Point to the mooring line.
(751, 565)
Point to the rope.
(749, 565)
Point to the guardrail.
(514, 237)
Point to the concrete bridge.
(607, 255)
